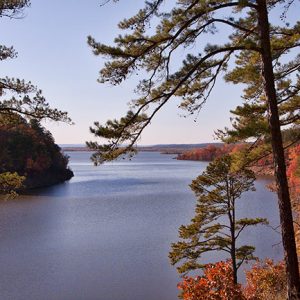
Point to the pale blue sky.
(54, 55)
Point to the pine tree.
(181, 27)
(187, 23)
(13, 8)
(215, 226)
(17, 95)
(250, 120)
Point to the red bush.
(215, 284)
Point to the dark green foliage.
(29, 150)
(18, 96)
(215, 226)
(117, 132)
(250, 120)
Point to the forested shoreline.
(262, 167)
(29, 151)
(169, 52)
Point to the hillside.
(29, 150)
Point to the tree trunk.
(233, 256)
(233, 244)
(231, 217)
(285, 209)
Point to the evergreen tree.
(215, 226)
(13, 8)
(20, 97)
(17, 95)
(187, 23)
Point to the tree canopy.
(29, 151)
(215, 226)
(184, 28)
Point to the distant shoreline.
(162, 148)
(77, 149)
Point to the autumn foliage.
(29, 150)
(209, 152)
(293, 172)
(265, 281)
(212, 152)
(215, 284)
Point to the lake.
(106, 233)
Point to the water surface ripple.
(106, 234)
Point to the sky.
(51, 41)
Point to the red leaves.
(265, 280)
(293, 172)
(215, 284)
(210, 152)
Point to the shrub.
(266, 281)
(215, 284)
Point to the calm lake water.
(106, 233)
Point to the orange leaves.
(210, 152)
(265, 280)
(215, 284)
(293, 172)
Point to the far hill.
(175, 148)
(163, 148)
(28, 150)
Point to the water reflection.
(106, 234)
